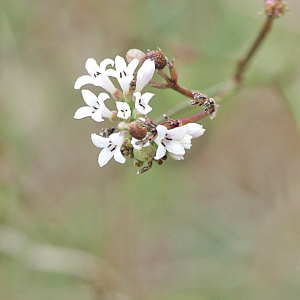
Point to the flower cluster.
(275, 8)
(136, 135)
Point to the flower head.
(96, 107)
(141, 102)
(111, 148)
(124, 111)
(176, 140)
(98, 76)
(124, 73)
(275, 8)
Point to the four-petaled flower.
(96, 107)
(98, 76)
(124, 111)
(124, 74)
(141, 102)
(176, 140)
(111, 148)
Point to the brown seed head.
(158, 57)
(135, 54)
(136, 131)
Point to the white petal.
(176, 156)
(107, 84)
(185, 141)
(99, 141)
(83, 80)
(120, 64)
(137, 95)
(104, 63)
(83, 112)
(144, 74)
(102, 97)
(194, 129)
(104, 156)
(176, 133)
(117, 139)
(174, 147)
(161, 132)
(147, 109)
(118, 156)
(97, 116)
(106, 113)
(92, 67)
(111, 72)
(146, 97)
(89, 98)
(125, 82)
(160, 152)
(132, 66)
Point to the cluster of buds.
(207, 102)
(275, 8)
(135, 136)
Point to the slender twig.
(243, 62)
(233, 85)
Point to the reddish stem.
(195, 118)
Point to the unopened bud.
(146, 154)
(114, 117)
(137, 131)
(135, 54)
(158, 57)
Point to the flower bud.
(135, 54)
(114, 117)
(146, 154)
(137, 131)
(158, 57)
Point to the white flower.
(111, 148)
(144, 74)
(141, 102)
(176, 140)
(123, 73)
(124, 111)
(98, 76)
(166, 140)
(96, 107)
(136, 146)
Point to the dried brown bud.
(158, 57)
(135, 54)
(136, 131)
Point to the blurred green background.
(222, 224)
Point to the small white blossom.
(124, 111)
(144, 74)
(96, 107)
(176, 140)
(138, 147)
(141, 102)
(123, 73)
(98, 76)
(166, 140)
(111, 148)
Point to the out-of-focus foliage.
(222, 224)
